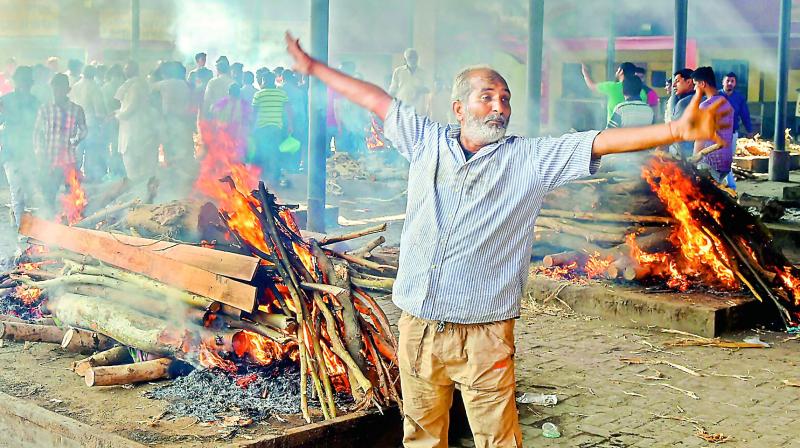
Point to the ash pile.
(665, 226)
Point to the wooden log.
(113, 356)
(152, 287)
(17, 331)
(365, 250)
(236, 266)
(374, 283)
(82, 341)
(565, 259)
(279, 321)
(129, 327)
(132, 298)
(612, 217)
(102, 215)
(128, 373)
(353, 235)
(142, 261)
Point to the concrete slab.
(23, 424)
(702, 314)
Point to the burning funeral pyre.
(269, 304)
(673, 227)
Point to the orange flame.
(224, 158)
(74, 201)
(208, 357)
(701, 255)
(27, 295)
(597, 265)
(335, 368)
(261, 349)
(375, 136)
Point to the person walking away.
(611, 89)
(270, 106)
(741, 114)
(60, 126)
(409, 82)
(217, 88)
(473, 197)
(93, 151)
(137, 137)
(718, 163)
(18, 111)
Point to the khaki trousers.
(479, 358)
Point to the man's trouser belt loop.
(440, 326)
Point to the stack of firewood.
(285, 299)
(675, 225)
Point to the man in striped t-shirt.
(473, 198)
(270, 107)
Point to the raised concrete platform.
(699, 313)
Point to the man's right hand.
(302, 61)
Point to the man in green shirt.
(612, 89)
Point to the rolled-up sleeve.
(562, 159)
(407, 130)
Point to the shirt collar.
(454, 134)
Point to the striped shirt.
(467, 239)
(629, 114)
(57, 132)
(268, 105)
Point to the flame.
(374, 137)
(27, 295)
(208, 357)
(261, 349)
(223, 158)
(790, 283)
(701, 255)
(74, 200)
(597, 265)
(335, 368)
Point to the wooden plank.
(236, 266)
(142, 261)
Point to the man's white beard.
(481, 132)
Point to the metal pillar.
(535, 47)
(136, 13)
(679, 35)
(611, 46)
(317, 106)
(779, 158)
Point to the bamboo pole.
(613, 217)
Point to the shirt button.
(433, 266)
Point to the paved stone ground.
(604, 402)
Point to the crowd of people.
(632, 103)
(112, 121)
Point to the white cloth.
(410, 88)
(136, 131)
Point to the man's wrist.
(674, 133)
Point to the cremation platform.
(42, 404)
(699, 313)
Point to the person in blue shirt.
(740, 112)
